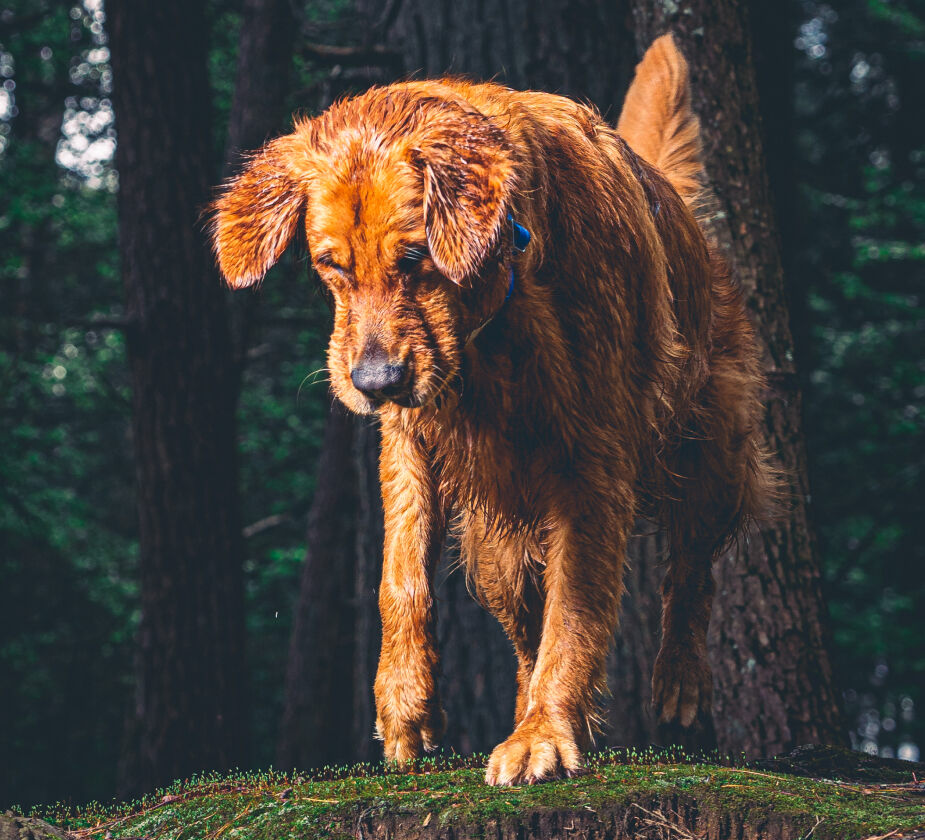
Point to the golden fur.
(620, 378)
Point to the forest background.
(842, 112)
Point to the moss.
(272, 805)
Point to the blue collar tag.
(520, 239)
(521, 236)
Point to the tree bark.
(629, 720)
(318, 706)
(369, 538)
(191, 694)
(580, 49)
(268, 29)
(768, 640)
(187, 501)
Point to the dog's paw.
(537, 751)
(409, 739)
(682, 697)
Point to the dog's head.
(403, 196)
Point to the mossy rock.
(648, 799)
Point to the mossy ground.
(275, 805)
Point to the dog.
(525, 297)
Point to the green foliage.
(281, 417)
(861, 263)
(67, 541)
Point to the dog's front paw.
(682, 697)
(411, 738)
(539, 750)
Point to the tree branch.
(351, 56)
(265, 524)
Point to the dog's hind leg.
(709, 467)
(721, 479)
(682, 687)
(506, 579)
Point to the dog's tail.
(657, 121)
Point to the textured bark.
(666, 817)
(191, 695)
(629, 717)
(768, 642)
(370, 534)
(579, 49)
(192, 710)
(319, 676)
(268, 29)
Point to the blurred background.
(92, 540)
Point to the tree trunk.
(179, 342)
(318, 703)
(268, 29)
(629, 719)
(369, 538)
(580, 49)
(191, 695)
(768, 640)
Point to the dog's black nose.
(375, 375)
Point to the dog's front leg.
(583, 584)
(408, 714)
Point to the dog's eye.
(410, 260)
(327, 261)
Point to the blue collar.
(520, 239)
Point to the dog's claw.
(535, 752)
(682, 693)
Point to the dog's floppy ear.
(257, 215)
(468, 168)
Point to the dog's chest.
(495, 462)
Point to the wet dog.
(523, 294)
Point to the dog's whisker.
(315, 376)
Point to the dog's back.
(684, 363)
(659, 125)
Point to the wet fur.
(621, 377)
